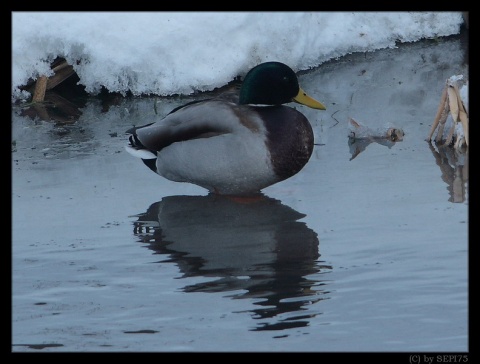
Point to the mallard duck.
(233, 144)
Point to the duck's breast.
(290, 139)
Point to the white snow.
(167, 53)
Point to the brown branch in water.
(62, 72)
(40, 88)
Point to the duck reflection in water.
(256, 245)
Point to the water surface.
(365, 249)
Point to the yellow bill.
(304, 99)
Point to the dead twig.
(450, 104)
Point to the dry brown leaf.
(453, 103)
(440, 109)
(354, 123)
(462, 113)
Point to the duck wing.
(198, 119)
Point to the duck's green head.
(274, 83)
